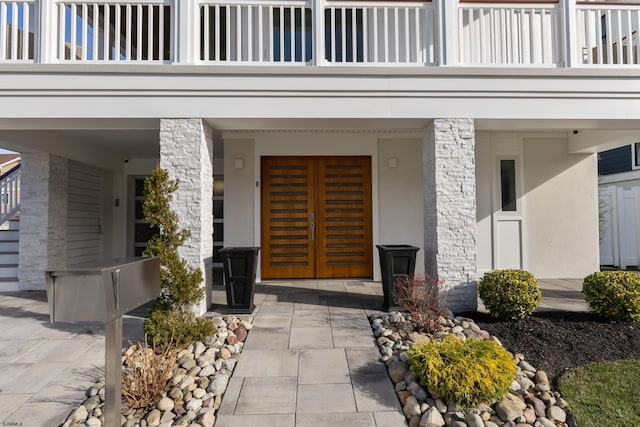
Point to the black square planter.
(395, 261)
(240, 266)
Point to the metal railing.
(540, 33)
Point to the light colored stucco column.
(450, 209)
(43, 218)
(186, 152)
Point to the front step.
(9, 235)
(9, 284)
(8, 271)
(8, 257)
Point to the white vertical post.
(46, 32)
(318, 31)
(187, 31)
(447, 24)
(569, 11)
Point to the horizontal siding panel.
(83, 244)
(80, 253)
(74, 206)
(71, 221)
(84, 213)
(84, 172)
(87, 200)
(79, 183)
(81, 213)
(82, 229)
(83, 259)
(87, 192)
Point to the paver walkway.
(310, 359)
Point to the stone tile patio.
(310, 359)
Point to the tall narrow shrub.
(179, 282)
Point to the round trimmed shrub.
(509, 294)
(614, 295)
(465, 373)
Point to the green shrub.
(180, 284)
(465, 373)
(177, 327)
(614, 295)
(509, 294)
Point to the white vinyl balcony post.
(317, 7)
(187, 31)
(447, 23)
(47, 31)
(570, 35)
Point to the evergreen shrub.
(509, 294)
(465, 373)
(614, 295)
(171, 315)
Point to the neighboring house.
(318, 129)
(619, 194)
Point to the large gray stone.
(508, 410)
(411, 407)
(397, 371)
(432, 418)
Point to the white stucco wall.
(400, 195)
(117, 231)
(558, 199)
(395, 190)
(484, 202)
(239, 194)
(562, 209)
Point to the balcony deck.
(542, 33)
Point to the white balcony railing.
(256, 31)
(540, 33)
(392, 33)
(17, 30)
(113, 30)
(607, 34)
(509, 34)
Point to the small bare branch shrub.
(424, 297)
(147, 375)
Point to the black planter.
(395, 261)
(240, 278)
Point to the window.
(508, 185)
(636, 155)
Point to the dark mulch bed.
(555, 341)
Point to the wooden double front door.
(316, 217)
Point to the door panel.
(316, 217)
(287, 202)
(344, 217)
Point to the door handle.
(313, 226)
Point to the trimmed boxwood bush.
(509, 294)
(614, 295)
(465, 373)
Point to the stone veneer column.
(43, 218)
(186, 152)
(450, 208)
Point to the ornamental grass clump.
(424, 297)
(147, 375)
(509, 294)
(465, 373)
(171, 315)
(614, 295)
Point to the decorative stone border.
(529, 403)
(202, 376)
